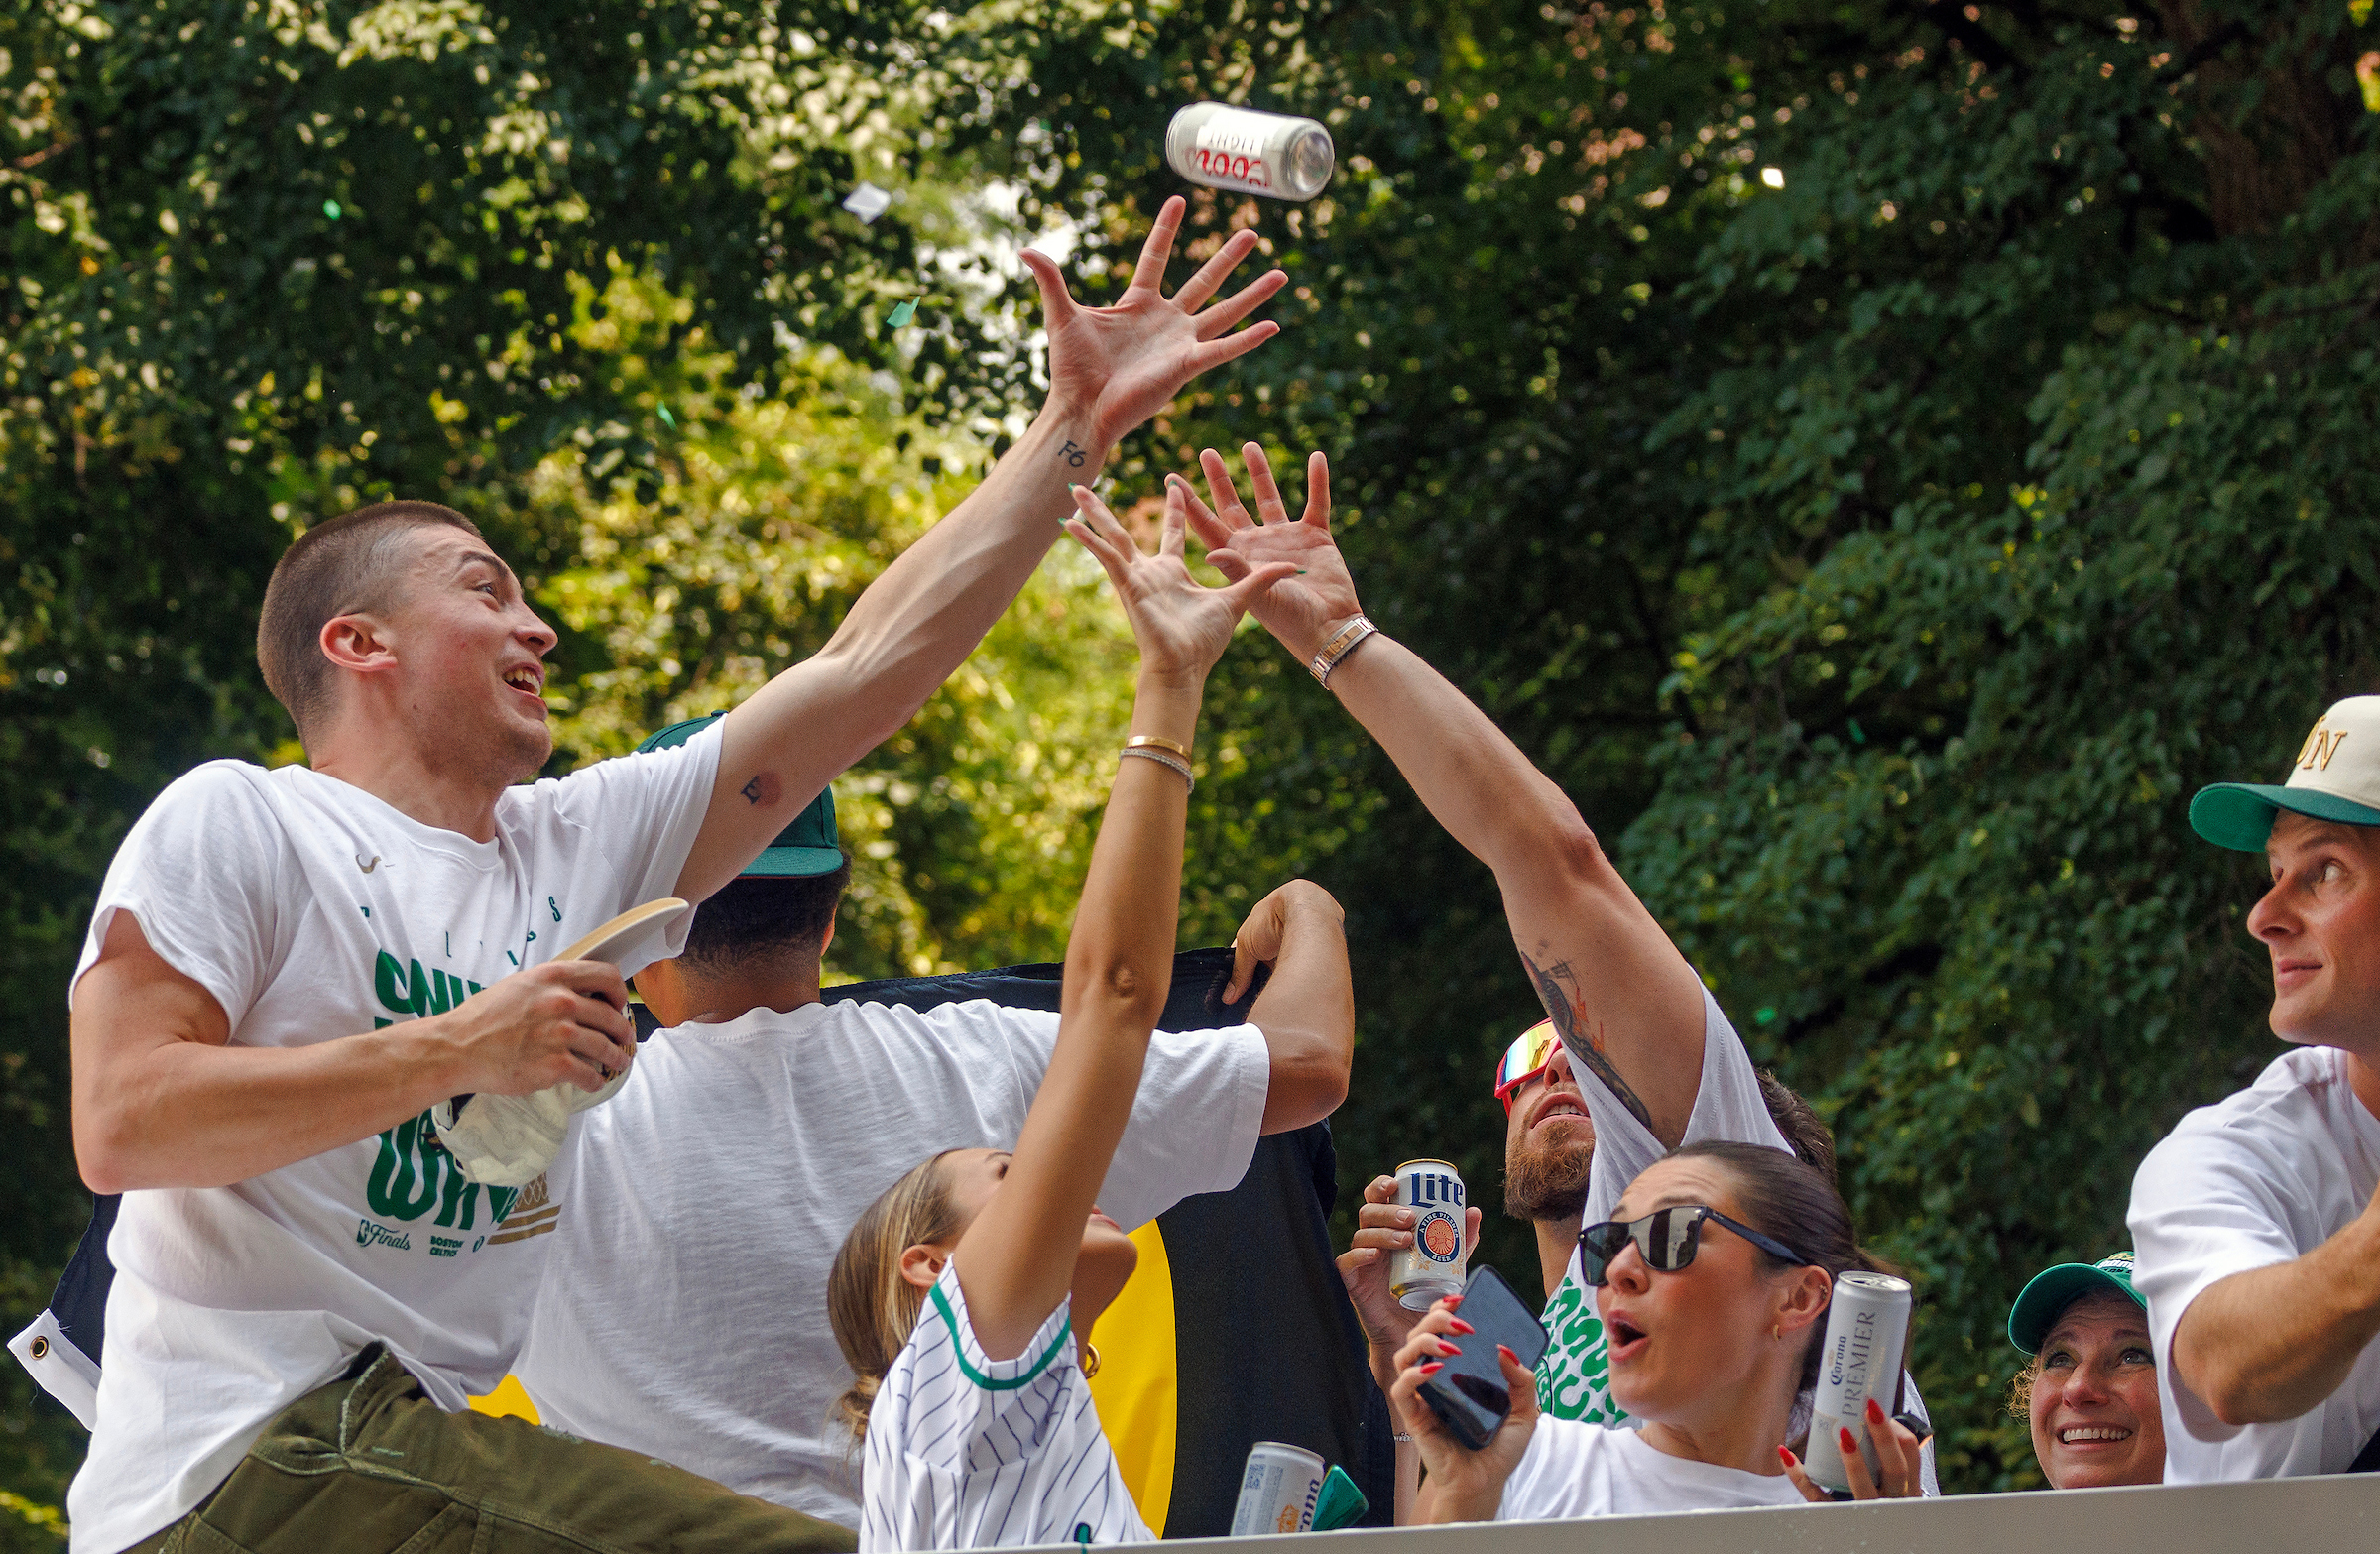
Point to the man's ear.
(663, 986)
(923, 1264)
(1802, 1299)
(828, 942)
(358, 643)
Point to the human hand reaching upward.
(1121, 365)
(1304, 610)
(1181, 625)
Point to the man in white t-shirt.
(1656, 1063)
(2256, 1223)
(683, 1314)
(286, 970)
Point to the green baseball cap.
(805, 848)
(2052, 1290)
(2336, 778)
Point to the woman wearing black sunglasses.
(1713, 1284)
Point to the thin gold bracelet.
(1162, 759)
(1160, 741)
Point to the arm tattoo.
(762, 791)
(1566, 1007)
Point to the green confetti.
(1858, 735)
(330, 208)
(903, 314)
(1765, 1016)
(668, 419)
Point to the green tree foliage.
(1880, 457)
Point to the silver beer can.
(1276, 155)
(1279, 1490)
(1433, 1267)
(1867, 1332)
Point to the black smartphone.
(1470, 1393)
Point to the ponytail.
(872, 1309)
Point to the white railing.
(2330, 1515)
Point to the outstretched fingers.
(1057, 305)
(1212, 531)
(1230, 510)
(1270, 508)
(1211, 275)
(1150, 271)
(1240, 595)
(1231, 347)
(1222, 315)
(1318, 491)
(1101, 535)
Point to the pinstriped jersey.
(967, 1452)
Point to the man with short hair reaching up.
(286, 970)
(2256, 1223)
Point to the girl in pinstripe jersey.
(959, 1295)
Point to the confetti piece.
(868, 203)
(330, 208)
(1858, 734)
(668, 419)
(903, 314)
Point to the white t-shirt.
(684, 1313)
(313, 911)
(967, 1452)
(1586, 1470)
(1574, 1376)
(2260, 1178)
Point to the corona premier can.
(1434, 1266)
(1279, 1490)
(1867, 1328)
(1271, 154)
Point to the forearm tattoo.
(762, 791)
(1565, 1002)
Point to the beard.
(1548, 1181)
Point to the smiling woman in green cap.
(2090, 1390)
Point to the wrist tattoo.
(1074, 453)
(1565, 1001)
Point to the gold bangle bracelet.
(1164, 760)
(1158, 741)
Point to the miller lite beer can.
(1433, 1267)
(1275, 155)
(1279, 1490)
(1867, 1330)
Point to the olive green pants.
(371, 1464)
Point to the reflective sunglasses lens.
(1523, 1060)
(1674, 1233)
(1597, 1246)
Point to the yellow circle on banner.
(1136, 1391)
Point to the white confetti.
(868, 203)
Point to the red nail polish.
(1446, 1347)
(1432, 1369)
(1505, 1350)
(1452, 1301)
(1785, 1456)
(1460, 1325)
(1850, 1442)
(1875, 1412)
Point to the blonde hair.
(871, 1307)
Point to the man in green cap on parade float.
(2255, 1220)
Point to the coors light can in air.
(1272, 154)
(1433, 1265)
(1868, 1327)
(1279, 1490)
